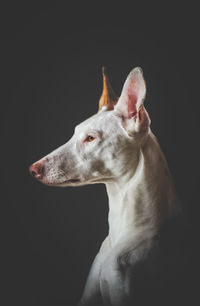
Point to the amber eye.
(89, 138)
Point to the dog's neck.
(141, 200)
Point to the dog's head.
(105, 146)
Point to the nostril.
(36, 170)
(33, 173)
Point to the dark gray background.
(51, 58)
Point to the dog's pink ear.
(133, 94)
(130, 104)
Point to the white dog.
(116, 147)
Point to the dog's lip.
(70, 181)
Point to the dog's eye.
(89, 138)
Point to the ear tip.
(104, 70)
(136, 74)
(137, 70)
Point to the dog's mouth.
(72, 181)
(63, 183)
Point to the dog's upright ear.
(108, 97)
(131, 102)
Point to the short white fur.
(125, 156)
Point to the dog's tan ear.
(108, 96)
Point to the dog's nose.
(36, 170)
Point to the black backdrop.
(51, 58)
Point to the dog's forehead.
(98, 121)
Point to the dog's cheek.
(96, 174)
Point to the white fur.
(141, 193)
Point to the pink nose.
(36, 170)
